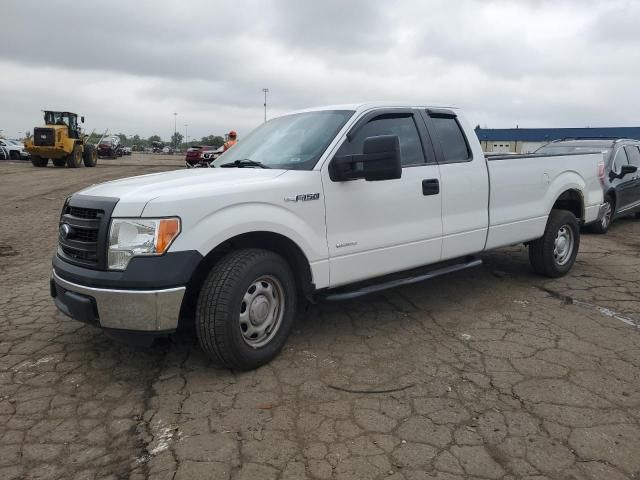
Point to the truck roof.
(371, 105)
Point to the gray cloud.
(128, 66)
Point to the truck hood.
(135, 192)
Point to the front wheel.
(602, 225)
(75, 159)
(89, 156)
(39, 161)
(246, 308)
(554, 254)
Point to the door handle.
(431, 186)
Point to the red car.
(194, 155)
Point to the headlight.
(132, 237)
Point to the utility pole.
(175, 128)
(186, 134)
(265, 90)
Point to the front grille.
(43, 137)
(85, 235)
(80, 255)
(83, 212)
(84, 225)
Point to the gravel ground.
(491, 373)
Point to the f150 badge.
(303, 197)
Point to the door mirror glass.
(379, 160)
(82, 119)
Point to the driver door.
(379, 227)
(623, 186)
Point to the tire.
(75, 159)
(602, 226)
(555, 252)
(90, 156)
(59, 162)
(637, 215)
(13, 155)
(39, 161)
(245, 289)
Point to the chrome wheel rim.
(563, 245)
(261, 311)
(606, 218)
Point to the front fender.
(304, 226)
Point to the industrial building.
(526, 140)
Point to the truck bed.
(524, 187)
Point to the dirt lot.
(491, 373)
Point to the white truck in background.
(331, 202)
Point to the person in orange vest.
(232, 140)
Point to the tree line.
(175, 141)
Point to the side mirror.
(624, 170)
(82, 119)
(380, 160)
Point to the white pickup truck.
(326, 203)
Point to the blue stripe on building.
(548, 134)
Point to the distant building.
(525, 140)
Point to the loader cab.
(68, 119)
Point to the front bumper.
(138, 310)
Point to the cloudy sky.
(128, 65)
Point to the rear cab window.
(448, 133)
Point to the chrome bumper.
(140, 310)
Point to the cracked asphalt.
(491, 373)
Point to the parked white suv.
(326, 203)
(14, 148)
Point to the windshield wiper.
(244, 163)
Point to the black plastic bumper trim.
(170, 270)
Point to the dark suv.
(621, 180)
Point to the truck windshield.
(292, 142)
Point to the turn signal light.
(168, 229)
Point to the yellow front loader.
(61, 140)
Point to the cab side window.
(455, 147)
(401, 125)
(619, 159)
(633, 154)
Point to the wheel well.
(612, 193)
(570, 200)
(274, 242)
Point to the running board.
(402, 281)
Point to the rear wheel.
(246, 308)
(90, 156)
(59, 162)
(75, 159)
(554, 254)
(602, 225)
(39, 161)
